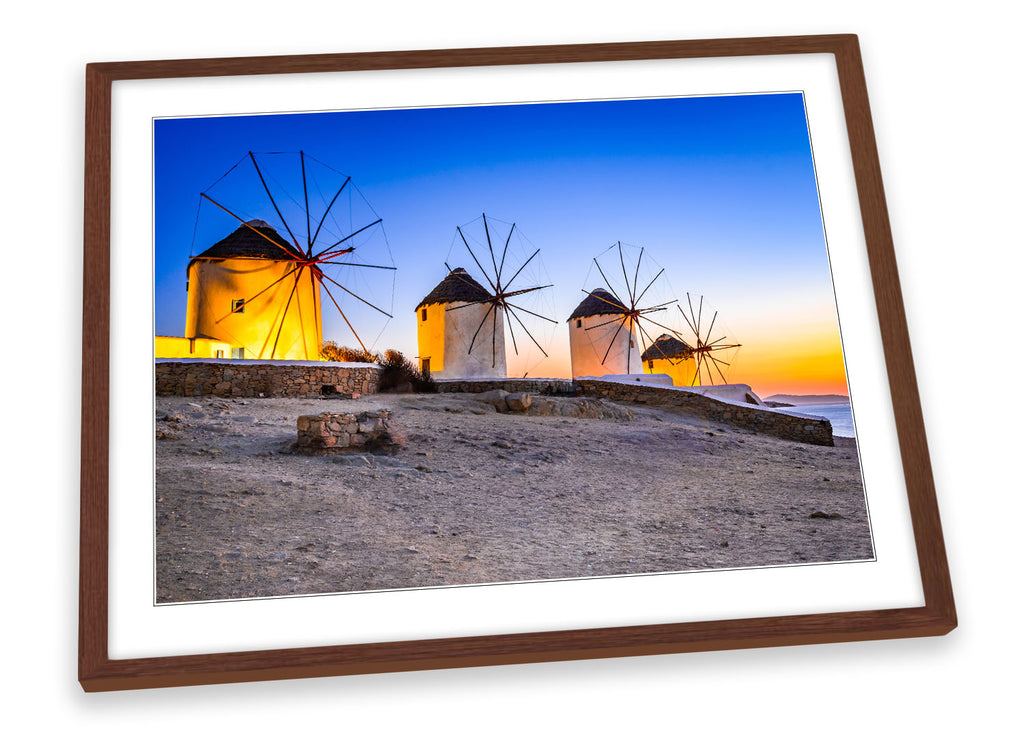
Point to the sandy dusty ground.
(476, 496)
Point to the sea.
(840, 414)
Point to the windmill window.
(423, 314)
(238, 352)
(579, 323)
(650, 364)
(238, 305)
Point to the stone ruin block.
(333, 432)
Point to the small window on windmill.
(423, 314)
(237, 306)
(650, 363)
(579, 323)
(238, 352)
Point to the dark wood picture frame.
(98, 672)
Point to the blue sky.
(720, 191)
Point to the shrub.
(331, 351)
(398, 374)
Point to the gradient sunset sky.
(719, 191)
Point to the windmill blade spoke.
(305, 197)
(528, 333)
(344, 289)
(512, 334)
(530, 312)
(629, 342)
(700, 309)
(660, 307)
(494, 261)
(494, 338)
(272, 201)
(636, 274)
(715, 362)
(663, 327)
(692, 320)
(291, 255)
(654, 344)
(482, 270)
(316, 309)
(712, 325)
(618, 307)
(284, 316)
(518, 292)
(607, 283)
(612, 341)
(328, 250)
(625, 278)
(468, 304)
(329, 206)
(609, 322)
(482, 321)
(269, 286)
(650, 285)
(359, 266)
(686, 318)
(501, 267)
(509, 282)
(342, 313)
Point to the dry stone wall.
(332, 432)
(752, 417)
(246, 378)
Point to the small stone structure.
(198, 377)
(331, 432)
(748, 416)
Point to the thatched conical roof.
(598, 302)
(246, 243)
(458, 286)
(667, 346)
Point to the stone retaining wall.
(529, 386)
(246, 378)
(751, 417)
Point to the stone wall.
(751, 417)
(339, 431)
(529, 386)
(247, 378)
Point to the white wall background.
(944, 86)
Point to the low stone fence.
(752, 417)
(195, 377)
(528, 386)
(334, 432)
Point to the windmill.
(468, 339)
(707, 364)
(611, 328)
(260, 289)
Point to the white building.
(601, 338)
(458, 314)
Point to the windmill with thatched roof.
(259, 291)
(461, 323)
(598, 346)
(672, 356)
(459, 334)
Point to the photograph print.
(491, 344)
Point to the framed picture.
(448, 358)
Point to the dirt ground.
(474, 496)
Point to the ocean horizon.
(840, 414)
